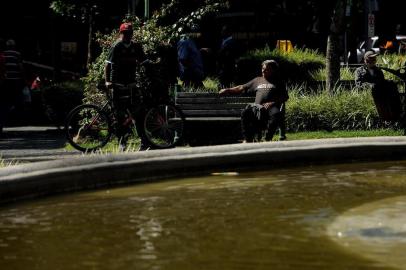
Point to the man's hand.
(223, 92)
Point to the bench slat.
(217, 106)
(214, 113)
(195, 94)
(207, 94)
(213, 119)
(244, 100)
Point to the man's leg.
(139, 125)
(273, 122)
(282, 124)
(247, 124)
(121, 126)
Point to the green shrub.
(161, 31)
(392, 61)
(343, 110)
(346, 74)
(295, 67)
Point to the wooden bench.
(211, 119)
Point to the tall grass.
(7, 163)
(342, 134)
(346, 74)
(298, 56)
(343, 110)
(392, 61)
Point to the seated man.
(385, 94)
(270, 96)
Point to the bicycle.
(89, 127)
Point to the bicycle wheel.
(88, 128)
(163, 126)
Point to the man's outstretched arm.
(232, 90)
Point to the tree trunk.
(333, 45)
(90, 41)
(56, 49)
(332, 62)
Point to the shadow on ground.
(29, 139)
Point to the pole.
(146, 9)
(367, 11)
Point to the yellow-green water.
(278, 219)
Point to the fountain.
(256, 206)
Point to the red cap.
(126, 27)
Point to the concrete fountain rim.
(107, 170)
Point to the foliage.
(392, 61)
(157, 36)
(77, 9)
(342, 110)
(346, 73)
(7, 163)
(298, 56)
(342, 134)
(295, 67)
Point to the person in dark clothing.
(163, 72)
(266, 112)
(14, 82)
(121, 65)
(369, 75)
(226, 58)
(385, 94)
(3, 103)
(191, 70)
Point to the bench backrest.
(201, 104)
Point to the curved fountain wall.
(96, 171)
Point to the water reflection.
(375, 230)
(259, 220)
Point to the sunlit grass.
(291, 136)
(298, 55)
(346, 74)
(7, 163)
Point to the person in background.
(14, 82)
(2, 61)
(121, 65)
(3, 105)
(191, 70)
(266, 112)
(385, 94)
(369, 74)
(226, 57)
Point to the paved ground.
(29, 144)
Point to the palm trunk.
(333, 45)
(90, 41)
(332, 62)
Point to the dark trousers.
(282, 123)
(124, 125)
(387, 101)
(11, 99)
(255, 119)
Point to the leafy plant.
(157, 35)
(295, 67)
(343, 110)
